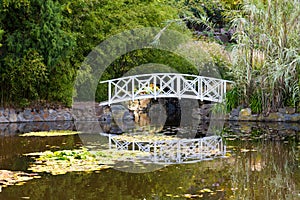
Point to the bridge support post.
(132, 89)
(178, 86)
(154, 85)
(224, 89)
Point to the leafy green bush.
(256, 102)
(233, 98)
(34, 48)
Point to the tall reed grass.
(266, 60)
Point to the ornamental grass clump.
(266, 61)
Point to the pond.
(261, 162)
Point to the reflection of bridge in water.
(172, 150)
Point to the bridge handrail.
(157, 74)
(178, 85)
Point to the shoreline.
(94, 113)
(239, 127)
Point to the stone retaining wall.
(33, 115)
(93, 112)
(283, 115)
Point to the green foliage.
(53, 29)
(265, 58)
(23, 76)
(1, 35)
(233, 98)
(67, 155)
(135, 63)
(94, 21)
(255, 102)
(232, 4)
(51, 133)
(43, 44)
(201, 14)
(34, 47)
(219, 108)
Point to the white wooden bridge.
(165, 85)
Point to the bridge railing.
(159, 85)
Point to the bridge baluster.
(132, 89)
(109, 92)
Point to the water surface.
(262, 163)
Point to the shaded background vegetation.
(254, 43)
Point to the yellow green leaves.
(1, 35)
(50, 133)
(61, 162)
(15, 178)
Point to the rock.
(281, 110)
(287, 110)
(143, 105)
(3, 119)
(245, 112)
(27, 115)
(206, 106)
(234, 113)
(290, 110)
(37, 118)
(6, 113)
(68, 116)
(60, 118)
(295, 117)
(277, 117)
(12, 116)
(245, 115)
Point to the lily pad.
(50, 133)
(15, 177)
(61, 162)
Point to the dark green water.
(265, 168)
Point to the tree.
(35, 47)
(94, 21)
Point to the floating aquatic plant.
(61, 162)
(51, 133)
(8, 178)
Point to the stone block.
(287, 110)
(37, 118)
(13, 117)
(295, 117)
(246, 112)
(3, 119)
(60, 118)
(274, 117)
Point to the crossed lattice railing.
(160, 85)
(173, 150)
